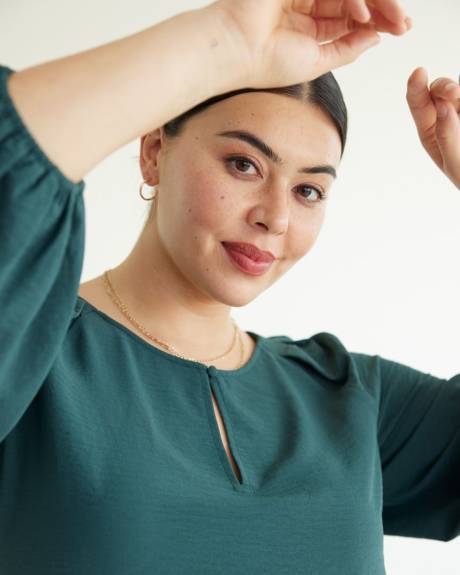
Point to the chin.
(235, 294)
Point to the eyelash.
(322, 195)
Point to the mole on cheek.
(222, 197)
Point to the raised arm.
(83, 107)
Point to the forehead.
(296, 129)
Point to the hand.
(283, 42)
(440, 137)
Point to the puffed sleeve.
(42, 230)
(419, 443)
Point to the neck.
(165, 303)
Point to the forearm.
(82, 107)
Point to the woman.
(141, 431)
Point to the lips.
(251, 251)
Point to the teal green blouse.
(111, 461)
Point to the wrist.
(227, 58)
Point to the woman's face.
(209, 194)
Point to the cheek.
(209, 201)
(305, 231)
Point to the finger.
(322, 8)
(448, 137)
(325, 29)
(332, 28)
(420, 103)
(328, 29)
(390, 9)
(446, 89)
(358, 9)
(383, 24)
(345, 50)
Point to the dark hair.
(323, 91)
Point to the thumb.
(345, 49)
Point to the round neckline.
(259, 342)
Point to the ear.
(151, 147)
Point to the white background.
(384, 275)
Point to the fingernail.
(442, 110)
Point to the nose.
(271, 209)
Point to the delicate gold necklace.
(116, 298)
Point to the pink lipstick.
(248, 257)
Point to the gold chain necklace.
(116, 298)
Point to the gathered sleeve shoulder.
(42, 231)
(419, 442)
(416, 431)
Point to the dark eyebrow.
(256, 142)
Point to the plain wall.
(384, 275)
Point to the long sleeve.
(419, 442)
(42, 232)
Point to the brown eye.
(321, 195)
(241, 160)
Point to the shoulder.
(320, 346)
(322, 353)
(90, 292)
(94, 293)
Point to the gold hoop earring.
(153, 195)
